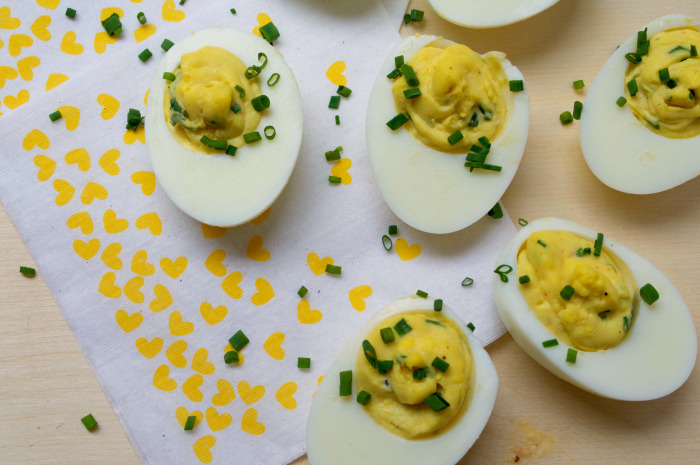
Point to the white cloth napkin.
(153, 324)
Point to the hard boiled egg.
(214, 187)
(492, 13)
(655, 357)
(341, 432)
(429, 189)
(620, 149)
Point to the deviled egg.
(640, 127)
(593, 312)
(223, 125)
(493, 13)
(413, 386)
(445, 132)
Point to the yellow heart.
(144, 32)
(40, 28)
(128, 322)
(263, 19)
(202, 445)
(161, 380)
(241, 358)
(92, 191)
(17, 41)
(255, 251)
(6, 19)
(217, 422)
(150, 221)
(257, 221)
(108, 162)
(358, 296)
(405, 251)
(341, 168)
(248, 394)
(200, 364)
(212, 315)
(284, 395)
(214, 262)
(131, 136)
(110, 106)
(320, 378)
(230, 285)
(35, 138)
(212, 232)
(65, 191)
(8, 73)
(225, 395)
(55, 80)
(71, 116)
(177, 326)
(140, 265)
(150, 349)
(173, 268)
(191, 388)
(306, 315)
(249, 423)
(69, 45)
(25, 67)
(163, 298)
(132, 290)
(46, 167)
(110, 256)
(79, 156)
(86, 250)
(265, 292)
(169, 13)
(174, 353)
(181, 414)
(50, 4)
(272, 346)
(145, 98)
(318, 265)
(113, 224)
(101, 41)
(335, 73)
(146, 179)
(81, 220)
(109, 11)
(13, 102)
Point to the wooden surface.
(46, 385)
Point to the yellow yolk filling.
(461, 90)
(397, 398)
(669, 108)
(600, 313)
(200, 101)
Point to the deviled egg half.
(413, 386)
(492, 13)
(223, 125)
(445, 132)
(640, 127)
(593, 312)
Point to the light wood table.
(46, 384)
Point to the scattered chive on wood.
(238, 341)
(302, 291)
(141, 17)
(567, 292)
(621, 102)
(386, 242)
(56, 115)
(166, 45)
(571, 355)
(524, 279)
(471, 326)
(70, 12)
(251, 137)
(516, 86)
(393, 229)
(89, 422)
(387, 335)
(578, 108)
(420, 293)
(344, 91)
(363, 397)
(334, 179)
(649, 294)
(397, 121)
(550, 343)
(231, 357)
(334, 103)
(522, 222)
(332, 269)
(145, 55)
(566, 118)
(467, 282)
(303, 362)
(27, 270)
(269, 132)
(437, 305)
(496, 212)
(579, 84)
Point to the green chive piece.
(233, 11)
(370, 353)
(649, 294)
(522, 222)
(524, 279)
(641, 36)
(344, 91)
(541, 243)
(477, 158)
(693, 51)
(436, 402)
(435, 322)
(302, 291)
(406, 18)
(393, 229)
(274, 79)
(133, 119)
(412, 92)
(386, 242)
(516, 86)
(70, 12)
(483, 140)
(664, 75)
(334, 179)
(671, 83)
(437, 305)
(402, 327)
(145, 55)
(598, 245)
(235, 108)
(604, 314)
(345, 390)
(214, 144)
(416, 15)
(332, 269)
(419, 374)
(27, 270)
(337, 120)
(231, 150)
(260, 102)
(550, 343)
(385, 366)
(474, 121)
(334, 102)
(238, 340)
(269, 132)
(566, 118)
(467, 282)
(166, 44)
(502, 271)
(488, 167)
(89, 422)
(387, 335)
(269, 32)
(626, 323)
(579, 84)
(241, 91)
(251, 137)
(189, 423)
(231, 357)
(410, 75)
(643, 48)
(455, 137)
(397, 121)
(395, 74)
(471, 326)
(333, 155)
(496, 212)
(420, 293)
(346, 377)
(571, 355)
(168, 76)
(567, 292)
(621, 102)
(578, 108)
(303, 362)
(141, 17)
(632, 87)
(363, 397)
(56, 115)
(112, 25)
(398, 61)
(633, 58)
(440, 364)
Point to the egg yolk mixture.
(460, 90)
(399, 391)
(668, 82)
(211, 96)
(599, 313)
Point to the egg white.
(340, 432)
(218, 189)
(655, 358)
(621, 151)
(491, 13)
(430, 190)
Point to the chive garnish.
(578, 108)
(303, 362)
(604, 314)
(166, 44)
(233, 11)
(649, 294)
(260, 103)
(346, 377)
(141, 17)
(412, 92)
(477, 158)
(189, 423)
(332, 269)
(626, 323)
(89, 422)
(643, 48)
(334, 179)
(302, 291)
(455, 137)
(436, 402)
(363, 397)
(664, 75)
(168, 76)
(440, 364)
(671, 83)
(419, 374)
(27, 270)
(483, 140)
(579, 84)
(241, 91)
(550, 343)
(632, 87)
(410, 75)
(693, 51)
(251, 137)
(269, 32)
(274, 79)
(502, 271)
(344, 91)
(621, 102)
(393, 229)
(231, 357)
(474, 121)
(386, 242)
(642, 36)
(398, 61)
(385, 366)
(370, 353)
(235, 108)
(539, 241)
(524, 279)
(467, 282)
(395, 74)
(269, 132)
(333, 155)
(678, 48)
(516, 86)
(397, 121)
(238, 340)
(567, 292)
(633, 58)
(56, 115)
(70, 12)
(337, 120)
(334, 103)
(402, 327)
(420, 293)
(488, 167)
(134, 119)
(255, 70)
(598, 246)
(571, 355)
(437, 305)
(406, 18)
(214, 144)
(471, 326)
(345, 390)
(112, 24)
(566, 118)
(496, 212)
(145, 55)
(434, 322)
(522, 222)
(416, 15)
(231, 150)
(387, 335)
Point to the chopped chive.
(302, 291)
(524, 279)
(337, 120)
(487, 115)
(488, 167)
(269, 132)
(396, 73)
(241, 91)
(406, 18)
(571, 355)
(440, 364)
(27, 270)
(89, 422)
(567, 292)
(471, 326)
(579, 84)
(455, 137)
(112, 25)
(56, 115)
(344, 91)
(410, 75)
(474, 121)
(334, 179)
(483, 140)
(387, 335)
(189, 423)
(478, 158)
(693, 51)
(632, 87)
(437, 305)
(231, 357)
(641, 36)
(420, 293)
(214, 144)
(141, 17)
(678, 48)
(550, 343)
(671, 83)
(604, 314)
(539, 241)
(231, 150)
(70, 12)
(346, 377)
(145, 55)
(598, 245)
(363, 397)
(386, 242)
(393, 229)
(643, 48)
(333, 155)
(133, 119)
(334, 102)
(467, 282)
(626, 323)
(235, 108)
(398, 61)
(250, 137)
(516, 86)
(385, 366)
(419, 374)
(649, 294)
(345, 390)
(370, 353)
(238, 340)
(502, 271)
(416, 15)
(397, 121)
(633, 58)
(168, 76)
(621, 102)
(522, 222)
(402, 327)
(332, 269)
(182, 2)
(269, 32)
(578, 108)
(496, 212)
(166, 44)
(566, 118)
(664, 75)
(436, 402)
(233, 11)
(261, 102)
(412, 92)
(303, 362)
(274, 79)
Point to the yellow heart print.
(248, 394)
(132, 289)
(212, 232)
(86, 250)
(64, 192)
(255, 250)
(109, 104)
(214, 262)
(211, 314)
(25, 68)
(177, 326)
(181, 414)
(161, 380)
(200, 363)
(173, 268)
(273, 346)
(175, 352)
(13, 102)
(108, 162)
(128, 322)
(265, 292)
(191, 388)
(80, 220)
(230, 285)
(147, 181)
(79, 157)
(110, 256)
(35, 138)
(140, 265)
(150, 349)
(405, 251)
(69, 45)
(284, 395)
(318, 265)
(55, 80)
(358, 296)
(217, 422)
(226, 394)
(335, 73)
(112, 224)
(249, 423)
(306, 315)
(162, 300)
(107, 286)
(40, 28)
(202, 446)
